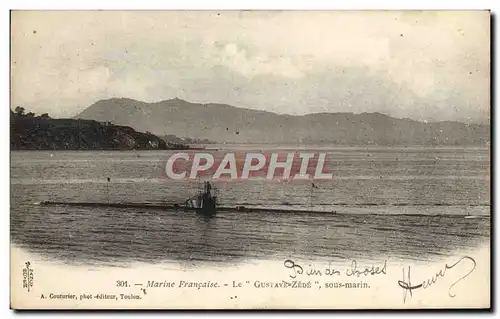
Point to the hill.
(225, 123)
(30, 132)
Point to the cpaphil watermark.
(244, 166)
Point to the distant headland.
(29, 131)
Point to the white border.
(186, 4)
(255, 4)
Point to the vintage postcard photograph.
(250, 160)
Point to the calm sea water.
(406, 203)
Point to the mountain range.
(225, 123)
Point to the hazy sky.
(422, 65)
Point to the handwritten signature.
(354, 270)
(407, 286)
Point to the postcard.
(250, 160)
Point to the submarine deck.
(180, 207)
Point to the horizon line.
(473, 122)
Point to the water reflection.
(459, 178)
(118, 236)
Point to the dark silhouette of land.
(31, 132)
